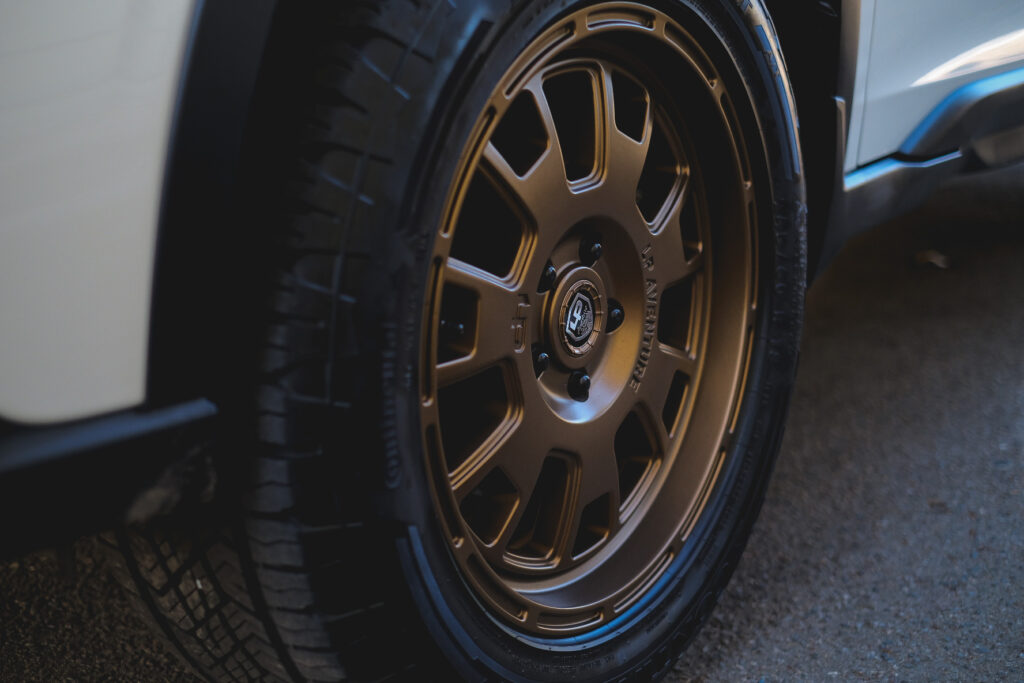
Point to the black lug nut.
(590, 250)
(547, 278)
(579, 385)
(541, 361)
(616, 314)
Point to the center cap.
(580, 317)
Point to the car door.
(914, 53)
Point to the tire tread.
(254, 602)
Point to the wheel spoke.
(544, 186)
(492, 342)
(670, 261)
(657, 381)
(505, 451)
(498, 168)
(518, 451)
(551, 166)
(624, 157)
(464, 367)
(598, 475)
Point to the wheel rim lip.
(658, 478)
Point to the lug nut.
(541, 361)
(590, 251)
(547, 278)
(579, 385)
(616, 315)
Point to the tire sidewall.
(482, 48)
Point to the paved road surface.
(891, 545)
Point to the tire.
(342, 554)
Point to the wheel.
(537, 290)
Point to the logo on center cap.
(579, 319)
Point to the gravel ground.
(891, 544)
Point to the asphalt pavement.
(891, 543)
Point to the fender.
(102, 468)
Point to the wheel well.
(810, 33)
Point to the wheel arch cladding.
(810, 41)
(200, 198)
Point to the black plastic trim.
(814, 36)
(885, 189)
(34, 446)
(956, 138)
(59, 482)
(199, 222)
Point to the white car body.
(918, 52)
(87, 97)
(88, 94)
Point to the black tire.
(331, 566)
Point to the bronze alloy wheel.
(526, 283)
(589, 320)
